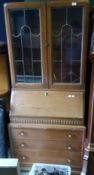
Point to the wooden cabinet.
(47, 43)
(27, 44)
(66, 25)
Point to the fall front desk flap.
(47, 104)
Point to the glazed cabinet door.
(26, 36)
(67, 26)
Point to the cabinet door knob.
(22, 145)
(22, 133)
(47, 44)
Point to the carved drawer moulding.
(41, 120)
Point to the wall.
(91, 2)
(2, 24)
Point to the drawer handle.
(22, 145)
(71, 96)
(22, 133)
(69, 135)
(69, 161)
(23, 157)
(69, 147)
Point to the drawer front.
(57, 157)
(60, 146)
(47, 145)
(47, 134)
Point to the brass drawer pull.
(71, 96)
(22, 133)
(22, 145)
(24, 157)
(69, 135)
(69, 161)
(69, 147)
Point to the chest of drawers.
(45, 143)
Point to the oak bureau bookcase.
(47, 43)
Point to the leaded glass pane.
(66, 44)
(25, 28)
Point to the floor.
(24, 172)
